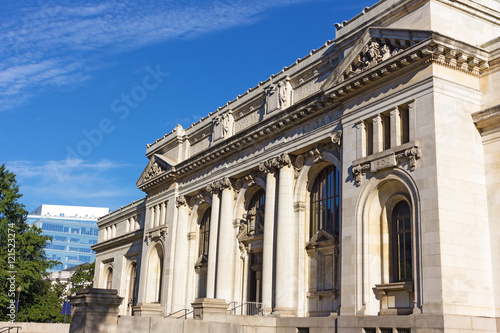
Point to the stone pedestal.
(148, 310)
(209, 307)
(95, 311)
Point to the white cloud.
(75, 182)
(44, 44)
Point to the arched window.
(255, 230)
(255, 213)
(325, 202)
(109, 278)
(131, 286)
(202, 262)
(205, 232)
(154, 280)
(402, 258)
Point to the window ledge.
(383, 289)
(390, 158)
(323, 293)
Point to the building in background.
(73, 230)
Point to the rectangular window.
(386, 126)
(60, 238)
(369, 137)
(405, 124)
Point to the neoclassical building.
(360, 182)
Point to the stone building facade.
(362, 181)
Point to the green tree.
(22, 257)
(47, 306)
(83, 277)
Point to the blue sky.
(69, 128)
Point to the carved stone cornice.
(156, 234)
(367, 72)
(127, 238)
(391, 158)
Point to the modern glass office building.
(73, 230)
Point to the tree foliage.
(83, 277)
(22, 257)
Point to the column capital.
(284, 160)
(180, 201)
(223, 184)
(211, 188)
(360, 124)
(266, 167)
(219, 185)
(395, 111)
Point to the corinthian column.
(212, 243)
(180, 255)
(227, 243)
(286, 241)
(268, 246)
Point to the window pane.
(402, 242)
(325, 201)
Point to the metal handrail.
(184, 315)
(251, 308)
(171, 314)
(8, 328)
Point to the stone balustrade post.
(95, 311)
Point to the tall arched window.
(255, 213)
(323, 248)
(402, 257)
(202, 262)
(325, 202)
(154, 280)
(109, 278)
(132, 283)
(205, 232)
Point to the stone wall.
(344, 324)
(37, 327)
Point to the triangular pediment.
(375, 46)
(321, 237)
(157, 165)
